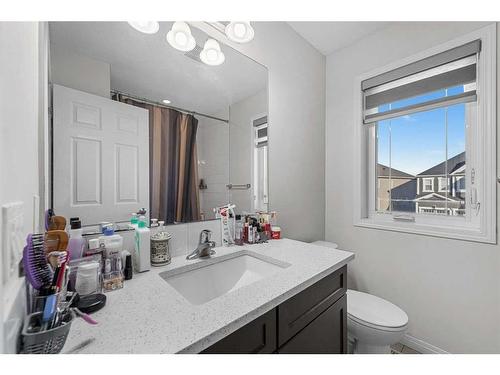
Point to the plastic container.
(88, 278)
(113, 243)
(86, 274)
(50, 341)
(142, 254)
(239, 231)
(275, 233)
(76, 243)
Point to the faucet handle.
(205, 236)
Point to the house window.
(460, 184)
(427, 142)
(443, 184)
(428, 184)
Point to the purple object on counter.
(35, 263)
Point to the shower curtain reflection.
(173, 163)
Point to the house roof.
(454, 163)
(438, 197)
(406, 191)
(383, 171)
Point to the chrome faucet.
(205, 246)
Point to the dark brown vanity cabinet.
(313, 321)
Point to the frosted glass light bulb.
(147, 27)
(180, 37)
(212, 53)
(240, 31)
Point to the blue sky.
(419, 140)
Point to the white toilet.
(373, 324)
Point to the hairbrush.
(57, 223)
(35, 263)
(56, 240)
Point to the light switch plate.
(12, 239)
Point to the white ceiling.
(147, 66)
(328, 37)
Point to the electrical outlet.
(12, 239)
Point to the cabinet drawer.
(258, 336)
(297, 312)
(327, 334)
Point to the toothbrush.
(84, 316)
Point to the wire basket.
(47, 341)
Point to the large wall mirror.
(137, 123)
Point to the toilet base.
(361, 348)
(355, 347)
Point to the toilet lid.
(373, 310)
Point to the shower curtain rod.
(148, 101)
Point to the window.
(428, 185)
(260, 202)
(460, 184)
(426, 156)
(443, 184)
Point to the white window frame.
(458, 178)
(443, 184)
(255, 141)
(424, 182)
(479, 224)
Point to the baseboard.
(421, 346)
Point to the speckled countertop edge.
(149, 316)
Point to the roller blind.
(452, 68)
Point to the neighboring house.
(397, 182)
(441, 189)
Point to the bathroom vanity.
(291, 300)
(311, 322)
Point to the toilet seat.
(376, 327)
(374, 312)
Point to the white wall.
(296, 126)
(19, 132)
(241, 146)
(450, 289)
(79, 72)
(213, 162)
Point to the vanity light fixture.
(147, 27)
(180, 37)
(240, 31)
(212, 54)
(166, 101)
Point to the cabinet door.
(327, 334)
(300, 310)
(258, 336)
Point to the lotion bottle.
(76, 243)
(142, 255)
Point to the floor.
(402, 349)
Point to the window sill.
(456, 232)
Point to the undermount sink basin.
(212, 278)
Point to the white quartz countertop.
(150, 316)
